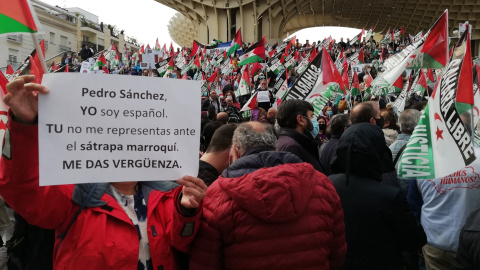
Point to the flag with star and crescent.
(441, 143)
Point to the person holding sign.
(122, 225)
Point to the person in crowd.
(101, 225)
(468, 252)
(321, 137)
(231, 93)
(295, 118)
(369, 112)
(85, 53)
(65, 59)
(271, 117)
(234, 114)
(339, 124)
(378, 221)
(265, 96)
(443, 205)
(408, 120)
(263, 212)
(213, 100)
(216, 158)
(390, 127)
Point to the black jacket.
(301, 145)
(378, 221)
(468, 252)
(206, 104)
(207, 173)
(328, 152)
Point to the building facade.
(64, 31)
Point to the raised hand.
(194, 190)
(22, 98)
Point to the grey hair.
(408, 120)
(246, 137)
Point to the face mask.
(329, 114)
(322, 126)
(229, 96)
(315, 129)
(380, 122)
(390, 51)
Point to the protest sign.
(115, 129)
(86, 66)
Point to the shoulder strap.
(399, 154)
(84, 203)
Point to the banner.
(119, 128)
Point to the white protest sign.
(117, 128)
(263, 96)
(86, 66)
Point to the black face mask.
(322, 126)
(380, 122)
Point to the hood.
(277, 193)
(360, 151)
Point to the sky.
(147, 19)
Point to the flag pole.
(39, 51)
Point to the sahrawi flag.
(244, 87)
(17, 17)
(441, 144)
(255, 53)
(431, 51)
(236, 43)
(318, 82)
(165, 66)
(281, 85)
(274, 65)
(421, 86)
(101, 61)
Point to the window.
(12, 56)
(63, 40)
(52, 38)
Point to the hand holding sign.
(22, 98)
(194, 191)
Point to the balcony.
(89, 26)
(15, 38)
(64, 48)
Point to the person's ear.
(373, 121)
(300, 120)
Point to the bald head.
(222, 117)
(364, 112)
(272, 113)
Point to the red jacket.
(101, 237)
(283, 217)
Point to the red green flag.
(236, 43)
(10, 70)
(361, 58)
(53, 67)
(244, 87)
(355, 85)
(464, 100)
(430, 76)
(345, 78)
(398, 85)
(256, 66)
(197, 62)
(67, 69)
(330, 72)
(17, 17)
(255, 53)
(421, 85)
(250, 105)
(101, 61)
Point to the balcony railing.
(15, 38)
(90, 24)
(64, 48)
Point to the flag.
(67, 69)
(255, 53)
(101, 61)
(244, 87)
(105, 70)
(164, 66)
(256, 66)
(281, 85)
(399, 104)
(226, 67)
(431, 51)
(157, 45)
(421, 85)
(430, 76)
(35, 70)
(250, 105)
(37, 63)
(289, 60)
(441, 143)
(236, 43)
(142, 50)
(196, 62)
(397, 85)
(355, 85)
(361, 58)
(318, 82)
(10, 70)
(476, 93)
(275, 65)
(17, 17)
(3, 84)
(148, 46)
(345, 78)
(172, 51)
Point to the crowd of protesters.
(278, 188)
